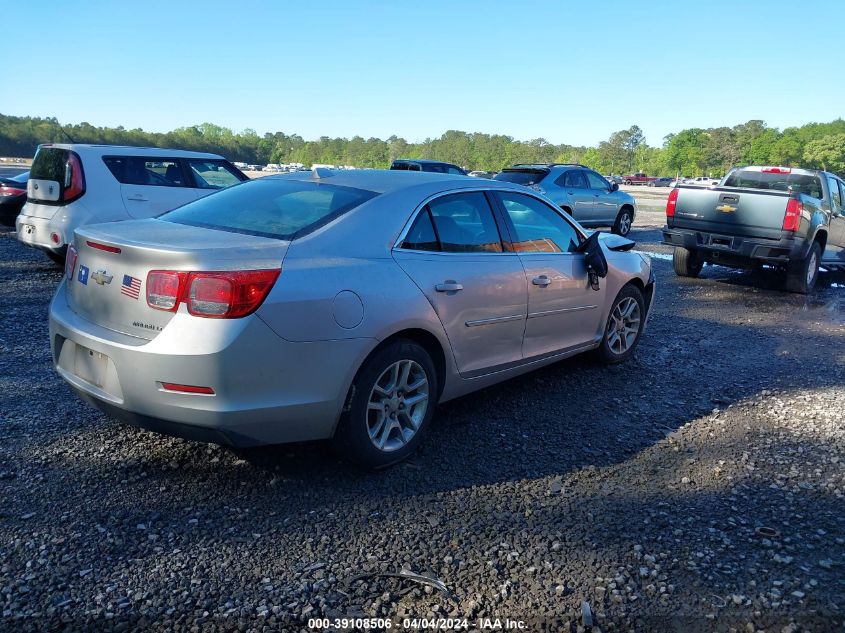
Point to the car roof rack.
(549, 165)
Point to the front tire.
(623, 223)
(624, 326)
(801, 276)
(686, 263)
(391, 406)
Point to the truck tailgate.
(731, 211)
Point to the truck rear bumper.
(736, 249)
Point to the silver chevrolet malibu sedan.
(339, 305)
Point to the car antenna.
(59, 125)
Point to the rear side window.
(282, 209)
(212, 174)
(421, 236)
(801, 183)
(464, 223)
(573, 180)
(524, 177)
(141, 170)
(405, 166)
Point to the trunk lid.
(108, 286)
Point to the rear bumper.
(35, 232)
(736, 249)
(266, 390)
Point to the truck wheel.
(801, 276)
(623, 223)
(686, 262)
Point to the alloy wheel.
(397, 405)
(623, 325)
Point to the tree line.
(690, 152)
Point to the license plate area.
(27, 229)
(90, 366)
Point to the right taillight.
(792, 217)
(217, 295)
(671, 203)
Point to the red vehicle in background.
(638, 179)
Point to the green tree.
(828, 153)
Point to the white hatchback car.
(71, 185)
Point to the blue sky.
(570, 72)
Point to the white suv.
(71, 185)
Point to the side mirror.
(594, 255)
(614, 187)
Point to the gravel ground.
(698, 487)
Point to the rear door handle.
(450, 285)
(541, 281)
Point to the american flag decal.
(131, 287)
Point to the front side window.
(213, 174)
(573, 180)
(454, 170)
(141, 170)
(282, 209)
(596, 181)
(463, 223)
(835, 195)
(538, 228)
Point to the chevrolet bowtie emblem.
(101, 277)
(726, 208)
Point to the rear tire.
(801, 276)
(686, 263)
(623, 223)
(378, 427)
(624, 326)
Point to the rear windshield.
(50, 164)
(800, 183)
(405, 166)
(527, 178)
(282, 209)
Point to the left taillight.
(11, 191)
(74, 185)
(70, 261)
(215, 295)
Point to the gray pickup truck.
(787, 217)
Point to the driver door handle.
(541, 281)
(448, 286)
(137, 197)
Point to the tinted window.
(421, 236)
(283, 209)
(835, 195)
(538, 228)
(573, 180)
(213, 174)
(140, 170)
(464, 224)
(809, 185)
(50, 164)
(596, 181)
(526, 178)
(405, 166)
(842, 191)
(455, 170)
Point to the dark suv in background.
(578, 190)
(419, 164)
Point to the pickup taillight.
(792, 217)
(671, 203)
